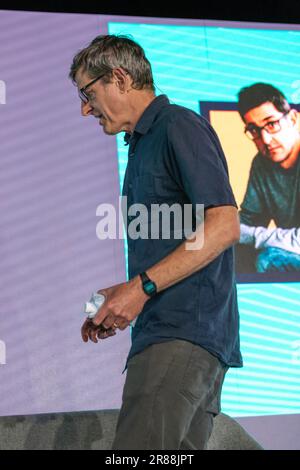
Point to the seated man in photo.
(273, 190)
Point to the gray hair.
(107, 52)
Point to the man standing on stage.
(183, 301)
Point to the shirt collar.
(145, 122)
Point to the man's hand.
(123, 303)
(92, 332)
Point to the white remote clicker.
(92, 307)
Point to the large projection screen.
(57, 167)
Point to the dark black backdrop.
(275, 11)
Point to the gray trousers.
(171, 394)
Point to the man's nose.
(86, 109)
(265, 136)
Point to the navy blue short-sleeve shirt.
(175, 157)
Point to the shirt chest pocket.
(154, 189)
(143, 189)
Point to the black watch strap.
(149, 286)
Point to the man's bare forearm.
(221, 230)
(125, 301)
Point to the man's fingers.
(109, 322)
(122, 324)
(84, 331)
(103, 334)
(115, 323)
(84, 335)
(102, 311)
(91, 332)
(93, 335)
(100, 316)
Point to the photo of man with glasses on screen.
(273, 189)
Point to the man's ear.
(122, 79)
(294, 117)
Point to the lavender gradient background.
(56, 167)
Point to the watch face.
(150, 287)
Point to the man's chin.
(276, 157)
(108, 131)
(109, 128)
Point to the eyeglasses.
(253, 132)
(82, 92)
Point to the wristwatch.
(149, 286)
